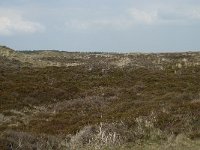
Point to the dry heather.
(104, 101)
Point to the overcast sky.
(101, 25)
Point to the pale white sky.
(101, 25)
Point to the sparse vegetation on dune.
(105, 101)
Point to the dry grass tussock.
(143, 135)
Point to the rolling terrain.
(69, 100)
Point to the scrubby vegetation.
(105, 101)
